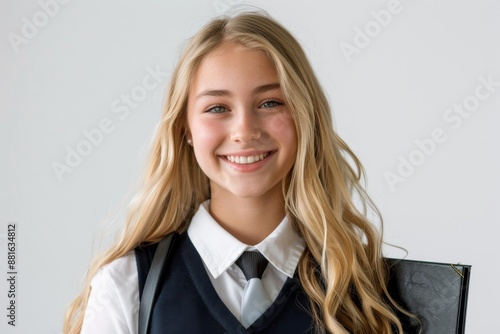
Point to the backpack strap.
(155, 274)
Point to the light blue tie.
(255, 299)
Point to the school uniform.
(203, 288)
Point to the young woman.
(245, 159)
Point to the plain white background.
(69, 72)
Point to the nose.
(246, 127)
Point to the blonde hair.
(342, 269)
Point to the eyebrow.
(225, 92)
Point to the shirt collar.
(219, 249)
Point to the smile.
(245, 160)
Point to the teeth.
(246, 160)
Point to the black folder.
(435, 292)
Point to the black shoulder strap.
(151, 286)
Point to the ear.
(189, 139)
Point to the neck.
(250, 220)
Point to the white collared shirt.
(219, 250)
(113, 305)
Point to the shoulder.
(114, 298)
(121, 271)
(145, 253)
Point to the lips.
(247, 159)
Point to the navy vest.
(188, 303)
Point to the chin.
(244, 192)
(247, 193)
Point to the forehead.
(231, 66)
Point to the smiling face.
(242, 133)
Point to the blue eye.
(217, 109)
(271, 104)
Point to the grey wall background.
(67, 66)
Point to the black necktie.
(252, 264)
(255, 299)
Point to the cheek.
(283, 128)
(206, 136)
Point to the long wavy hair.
(341, 269)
